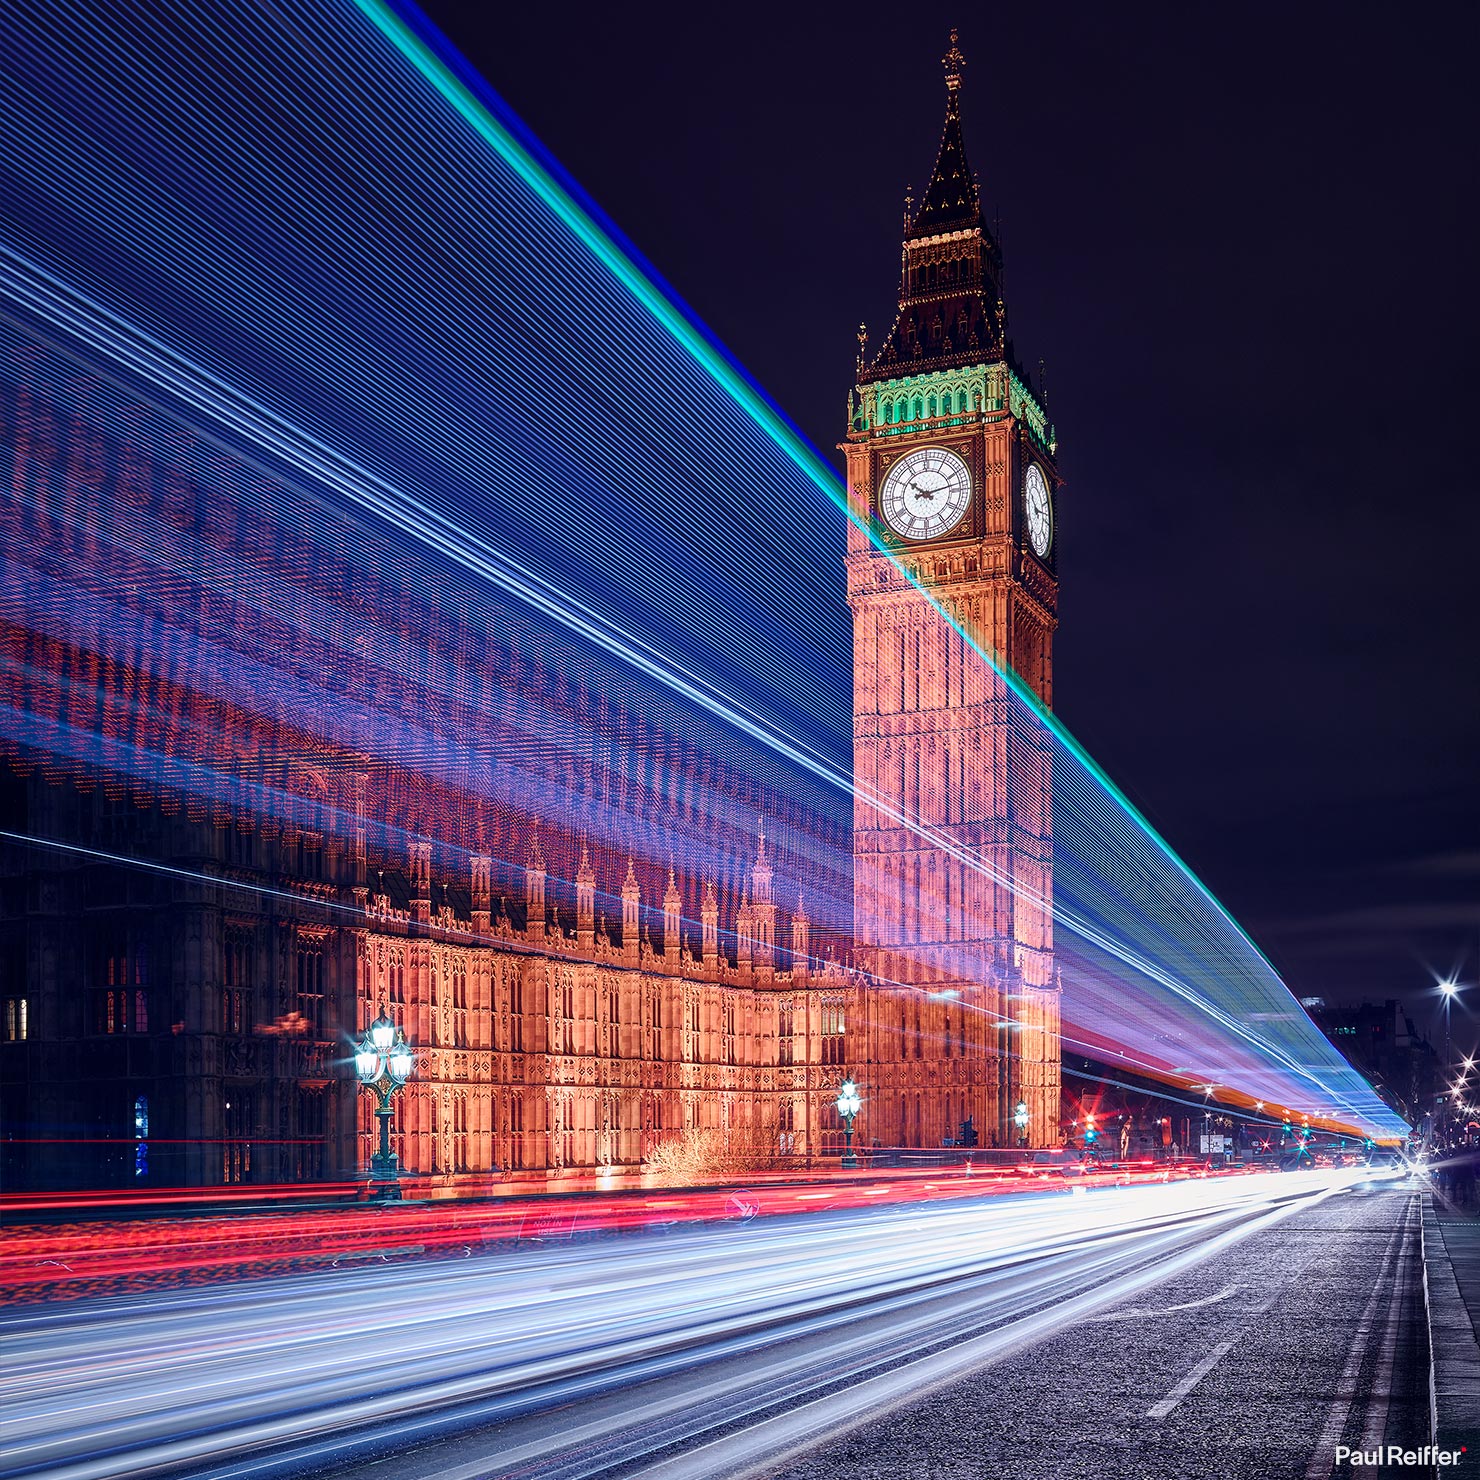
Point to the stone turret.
(672, 922)
(421, 881)
(586, 902)
(480, 885)
(709, 922)
(764, 929)
(534, 891)
(801, 944)
(631, 916)
(744, 937)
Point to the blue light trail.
(341, 417)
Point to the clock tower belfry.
(953, 486)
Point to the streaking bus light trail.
(391, 615)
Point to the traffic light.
(968, 1132)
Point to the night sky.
(1243, 243)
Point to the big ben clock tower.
(951, 470)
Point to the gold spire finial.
(954, 63)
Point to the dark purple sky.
(1244, 243)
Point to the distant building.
(1379, 1040)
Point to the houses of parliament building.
(184, 970)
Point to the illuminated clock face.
(925, 493)
(1039, 509)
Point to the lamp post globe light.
(1020, 1119)
(849, 1104)
(383, 1063)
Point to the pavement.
(1451, 1255)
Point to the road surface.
(1233, 1327)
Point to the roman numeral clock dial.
(1038, 506)
(925, 494)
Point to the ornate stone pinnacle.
(954, 63)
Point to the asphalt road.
(1236, 1327)
(1241, 1355)
(1255, 1365)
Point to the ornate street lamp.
(848, 1106)
(384, 1062)
(1448, 990)
(1020, 1120)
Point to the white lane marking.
(1192, 1379)
(1139, 1311)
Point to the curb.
(1454, 1352)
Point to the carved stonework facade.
(546, 1051)
(953, 854)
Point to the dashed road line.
(1193, 1378)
